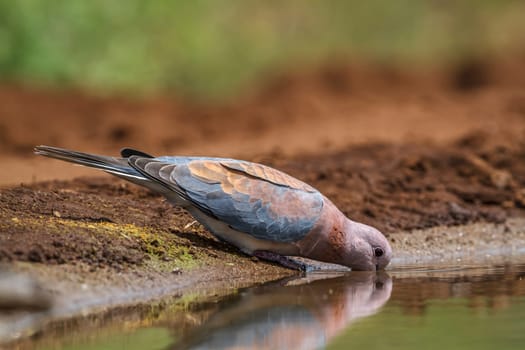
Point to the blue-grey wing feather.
(249, 197)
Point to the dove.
(261, 210)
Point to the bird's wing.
(249, 197)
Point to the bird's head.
(366, 247)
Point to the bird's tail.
(113, 165)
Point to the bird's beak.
(377, 267)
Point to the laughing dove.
(263, 211)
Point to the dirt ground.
(396, 148)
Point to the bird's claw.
(283, 261)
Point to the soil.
(400, 149)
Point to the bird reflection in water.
(296, 314)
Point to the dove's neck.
(328, 241)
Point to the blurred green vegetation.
(213, 48)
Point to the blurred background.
(244, 78)
(214, 48)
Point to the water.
(468, 308)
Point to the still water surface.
(469, 308)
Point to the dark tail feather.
(113, 165)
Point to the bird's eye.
(378, 252)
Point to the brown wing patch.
(213, 172)
(268, 174)
(232, 175)
(254, 180)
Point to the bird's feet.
(283, 260)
